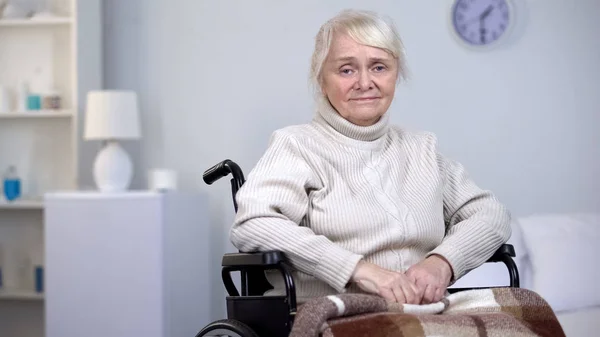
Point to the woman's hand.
(393, 286)
(431, 277)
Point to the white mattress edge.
(580, 323)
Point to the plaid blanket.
(478, 312)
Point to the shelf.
(22, 204)
(21, 295)
(35, 22)
(38, 114)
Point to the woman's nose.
(364, 81)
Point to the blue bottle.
(12, 184)
(39, 279)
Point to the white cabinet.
(63, 54)
(131, 264)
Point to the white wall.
(217, 77)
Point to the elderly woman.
(357, 204)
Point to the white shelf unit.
(35, 22)
(20, 295)
(22, 204)
(61, 53)
(60, 113)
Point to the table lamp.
(112, 116)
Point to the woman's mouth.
(365, 99)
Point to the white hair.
(365, 27)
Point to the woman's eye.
(346, 71)
(379, 68)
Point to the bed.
(557, 258)
(582, 322)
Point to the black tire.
(227, 327)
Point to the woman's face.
(359, 80)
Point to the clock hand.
(486, 12)
(481, 20)
(481, 16)
(481, 32)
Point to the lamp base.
(112, 168)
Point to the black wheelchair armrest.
(261, 259)
(503, 251)
(505, 254)
(254, 264)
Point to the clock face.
(481, 22)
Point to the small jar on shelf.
(51, 100)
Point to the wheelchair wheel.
(227, 327)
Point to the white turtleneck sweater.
(330, 193)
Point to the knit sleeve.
(477, 223)
(271, 206)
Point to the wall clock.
(482, 24)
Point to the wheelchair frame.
(274, 315)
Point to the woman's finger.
(388, 295)
(409, 293)
(420, 287)
(399, 294)
(429, 294)
(439, 294)
(418, 290)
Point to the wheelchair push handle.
(216, 172)
(221, 170)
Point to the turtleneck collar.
(362, 133)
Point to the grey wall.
(215, 78)
(125, 64)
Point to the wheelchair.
(251, 314)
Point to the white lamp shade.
(112, 114)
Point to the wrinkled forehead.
(345, 48)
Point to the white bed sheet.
(580, 323)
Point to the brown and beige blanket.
(479, 312)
